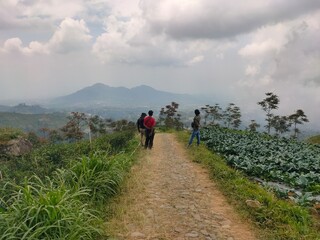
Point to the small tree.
(213, 113)
(268, 104)
(206, 111)
(121, 125)
(33, 138)
(162, 116)
(55, 136)
(253, 126)
(281, 124)
(170, 117)
(297, 118)
(73, 129)
(97, 125)
(45, 132)
(232, 116)
(216, 113)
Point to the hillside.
(24, 108)
(103, 95)
(32, 122)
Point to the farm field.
(292, 167)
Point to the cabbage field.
(285, 161)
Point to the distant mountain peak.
(143, 86)
(99, 85)
(104, 95)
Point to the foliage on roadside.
(48, 210)
(44, 160)
(6, 134)
(65, 203)
(275, 219)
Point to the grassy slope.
(91, 175)
(276, 219)
(314, 139)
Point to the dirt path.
(171, 197)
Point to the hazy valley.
(110, 103)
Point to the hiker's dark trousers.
(149, 138)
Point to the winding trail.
(171, 197)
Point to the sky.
(232, 51)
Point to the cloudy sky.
(233, 51)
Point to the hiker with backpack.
(141, 128)
(149, 123)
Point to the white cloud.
(256, 83)
(183, 19)
(266, 47)
(53, 9)
(222, 48)
(288, 51)
(252, 70)
(7, 13)
(195, 60)
(71, 35)
(130, 41)
(15, 45)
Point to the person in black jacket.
(141, 127)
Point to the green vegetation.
(32, 122)
(275, 218)
(278, 125)
(47, 210)
(314, 139)
(293, 163)
(7, 134)
(169, 118)
(58, 190)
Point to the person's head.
(143, 114)
(197, 112)
(150, 112)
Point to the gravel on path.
(174, 198)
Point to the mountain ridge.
(105, 95)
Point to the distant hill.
(103, 95)
(32, 122)
(24, 108)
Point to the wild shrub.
(58, 203)
(99, 172)
(115, 142)
(6, 134)
(47, 210)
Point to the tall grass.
(43, 161)
(47, 210)
(100, 173)
(64, 204)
